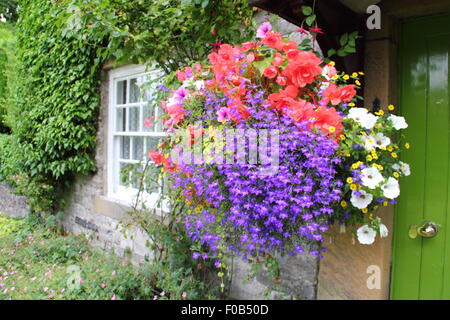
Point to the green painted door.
(421, 266)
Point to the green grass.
(38, 262)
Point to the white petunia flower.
(391, 188)
(357, 113)
(384, 232)
(381, 141)
(371, 177)
(398, 122)
(366, 235)
(369, 142)
(403, 168)
(199, 84)
(360, 199)
(368, 121)
(363, 117)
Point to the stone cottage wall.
(11, 204)
(89, 211)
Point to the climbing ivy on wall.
(62, 46)
(7, 70)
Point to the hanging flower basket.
(270, 144)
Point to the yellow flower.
(394, 155)
(348, 155)
(351, 104)
(378, 166)
(346, 77)
(358, 82)
(332, 63)
(407, 146)
(343, 204)
(342, 137)
(361, 73)
(385, 203)
(349, 180)
(371, 216)
(391, 107)
(353, 186)
(365, 210)
(331, 129)
(369, 157)
(354, 74)
(396, 175)
(356, 165)
(383, 148)
(390, 149)
(335, 77)
(379, 113)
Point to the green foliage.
(171, 33)
(8, 72)
(41, 263)
(9, 226)
(8, 9)
(62, 46)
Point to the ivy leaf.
(310, 20)
(344, 39)
(307, 10)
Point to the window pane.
(159, 127)
(148, 113)
(138, 148)
(120, 119)
(135, 91)
(123, 174)
(149, 91)
(134, 121)
(152, 143)
(125, 148)
(151, 183)
(122, 92)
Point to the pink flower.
(162, 294)
(270, 72)
(263, 29)
(302, 69)
(281, 81)
(113, 273)
(302, 31)
(278, 59)
(103, 285)
(158, 158)
(113, 297)
(184, 295)
(223, 114)
(250, 57)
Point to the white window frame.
(115, 191)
